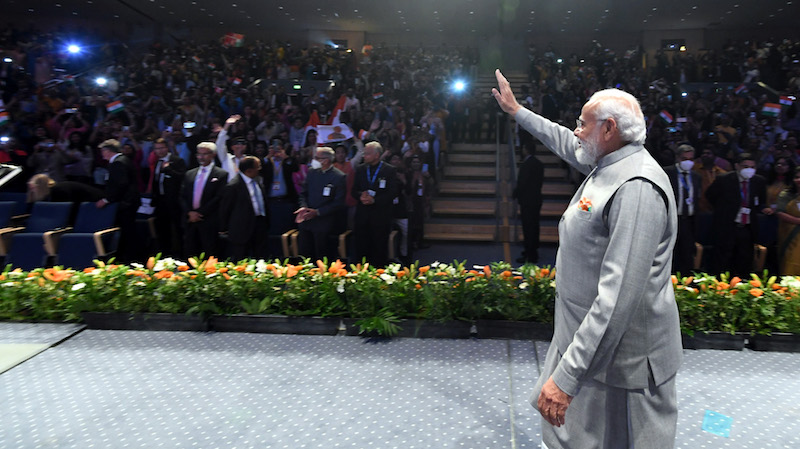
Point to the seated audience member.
(322, 198)
(201, 193)
(738, 199)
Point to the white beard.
(588, 151)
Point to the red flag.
(313, 121)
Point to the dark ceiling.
(591, 18)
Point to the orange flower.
(473, 272)
(336, 267)
(151, 262)
(723, 286)
(735, 280)
(688, 280)
(223, 270)
(292, 270)
(519, 278)
(423, 270)
(756, 292)
(755, 283)
(163, 274)
(210, 268)
(776, 287)
(506, 274)
(401, 273)
(88, 269)
(544, 272)
(418, 286)
(227, 276)
(674, 279)
(321, 266)
(380, 271)
(183, 268)
(342, 272)
(249, 273)
(240, 268)
(193, 262)
(487, 270)
(55, 275)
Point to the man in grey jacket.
(609, 376)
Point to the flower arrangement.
(377, 298)
(760, 305)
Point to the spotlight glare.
(74, 49)
(459, 86)
(101, 81)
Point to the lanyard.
(371, 178)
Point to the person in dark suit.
(374, 187)
(322, 199)
(201, 193)
(121, 188)
(529, 196)
(165, 187)
(737, 198)
(687, 185)
(243, 213)
(282, 199)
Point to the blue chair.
(93, 236)
(26, 249)
(6, 210)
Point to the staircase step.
(458, 148)
(464, 207)
(564, 190)
(467, 188)
(459, 232)
(555, 209)
(547, 234)
(555, 173)
(470, 172)
(472, 158)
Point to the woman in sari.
(788, 208)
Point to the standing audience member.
(687, 187)
(243, 214)
(708, 172)
(323, 197)
(277, 172)
(374, 187)
(529, 196)
(121, 188)
(738, 198)
(420, 183)
(400, 207)
(788, 211)
(229, 162)
(165, 185)
(201, 194)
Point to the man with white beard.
(609, 377)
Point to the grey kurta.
(616, 320)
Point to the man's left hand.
(553, 403)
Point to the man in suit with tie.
(687, 188)
(529, 196)
(738, 198)
(121, 188)
(165, 187)
(201, 193)
(243, 214)
(609, 377)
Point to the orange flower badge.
(585, 204)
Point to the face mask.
(316, 164)
(686, 165)
(747, 173)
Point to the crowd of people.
(172, 109)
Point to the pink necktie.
(198, 188)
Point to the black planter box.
(514, 330)
(275, 324)
(144, 321)
(714, 340)
(778, 342)
(417, 329)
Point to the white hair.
(624, 109)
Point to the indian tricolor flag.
(212, 66)
(742, 89)
(196, 59)
(237, 81)
(666, 116)
(4, 118)
(377, 95)
(786, 100)
(115, 106)
(771, 109)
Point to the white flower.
(340, 286)
(388, 278)
(260, 267)
(211, 275)
(790, 281)
(137, 265)
(523, 286)
(77, 287)
(9, 284)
